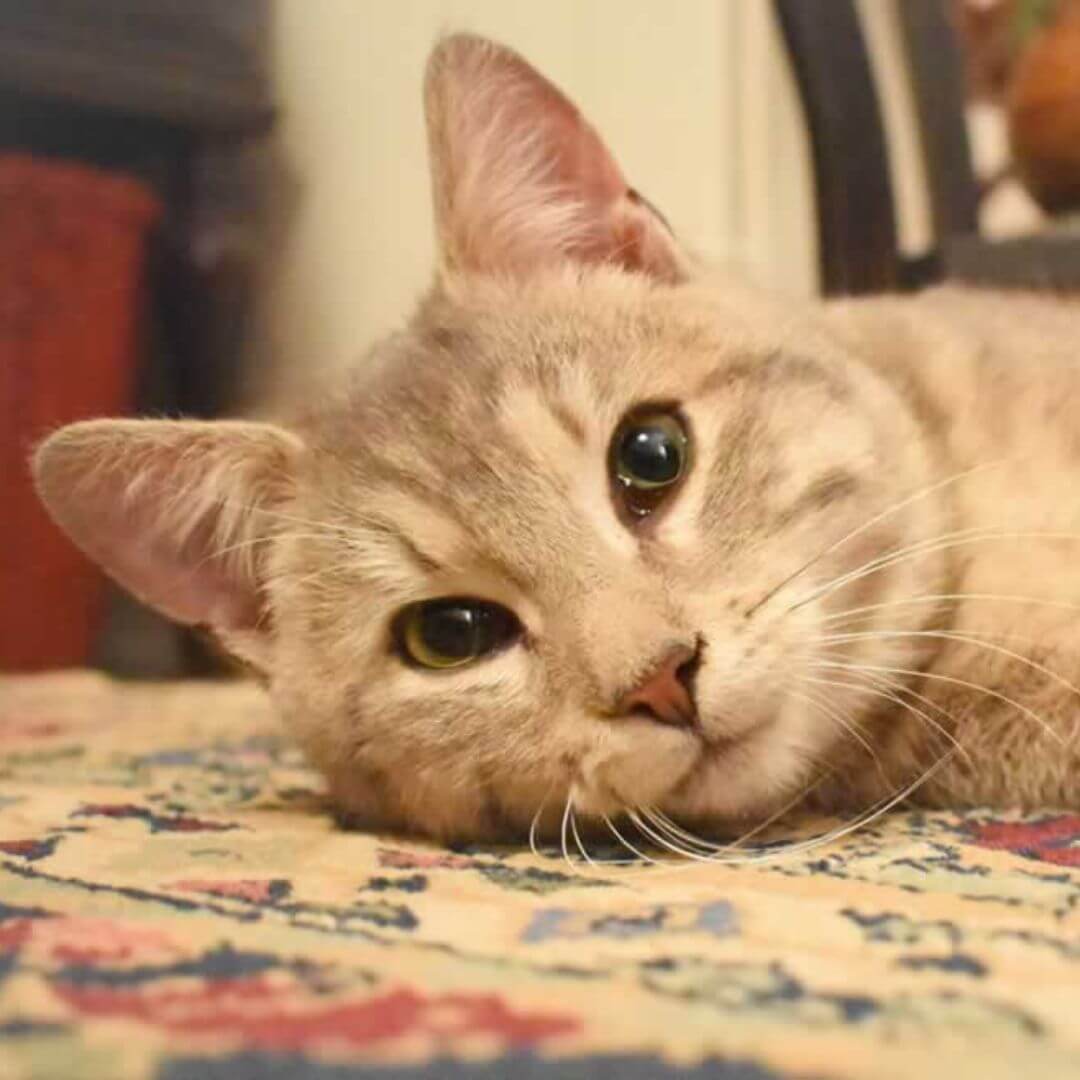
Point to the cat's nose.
(667, 693)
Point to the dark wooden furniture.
(856, 208)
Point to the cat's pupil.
(454, 631)
(650, 454)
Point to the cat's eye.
(453, 631)
(649, 454)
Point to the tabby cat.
(601, 538)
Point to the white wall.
(691, 95)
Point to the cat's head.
(564, 536)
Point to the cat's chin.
(737, 779)
(639, 765)
(687, 773)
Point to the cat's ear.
(522, 180)
(178, 512)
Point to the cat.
(602, 537)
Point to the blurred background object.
(280, 146)
(124, 190)
(70, 273)
(842, 95)
(1043, 101)
(1023, 63)
(988, 30)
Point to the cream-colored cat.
(594, 533)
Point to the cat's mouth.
(729, 773)
(720, 748)
(667, 768)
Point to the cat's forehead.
(597, 337)
(599, 332)
(483, 370)
(489, 419)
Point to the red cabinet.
(72, 241)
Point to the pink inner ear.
(179, 573)
(190, 583)
(619, 223)
(521, 178)
(581, 163)
(175, 511)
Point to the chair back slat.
(937, 83)
(856, 210)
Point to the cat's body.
(995, 381)
(593, 534)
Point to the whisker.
(894, 688)
(972, 637)
(626, 843)
(769, 854)
(715, 857)
(320, 572)
(665, 825)
(577, 839)
(925, 546)
(947, 679)
(805, 847)
(660, 840)
(949, 635)
(533, 827)
(829, 713)
(255, 541)
(929, 546)
(883, 806)
(939, 597)
(323, 527)
(562, 832)
(777, 814)
(901, 687)
(887, 512)
(888, 695)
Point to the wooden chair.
(856, 208)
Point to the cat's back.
(993, 374)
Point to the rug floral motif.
(177, 903)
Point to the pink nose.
(665, 694)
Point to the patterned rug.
(176, 903)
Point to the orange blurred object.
(1044, 112)
(72, 241)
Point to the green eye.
(450, 632)
(649, 454)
